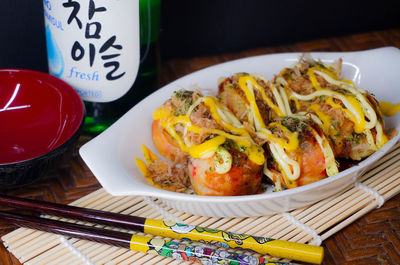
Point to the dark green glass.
(99, 116)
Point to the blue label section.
(53, 21)
(89, 93)
(54, 56)
(74, 73)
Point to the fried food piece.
(349, 116)
(218, 153)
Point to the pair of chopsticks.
(185, 238)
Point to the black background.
(206, 27)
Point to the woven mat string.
(164, 212)
(379, 198)
(316, 241)
(74, 250)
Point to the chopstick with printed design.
(262, 245)
(182, 250)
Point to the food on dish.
(349, 116)
(297, 151)
(291, 129)
(206, 143)
(309, 159)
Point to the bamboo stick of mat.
(169, 248)
(262, 245)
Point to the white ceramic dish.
(110, 156)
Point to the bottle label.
(94, 45)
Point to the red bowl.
(40, 117)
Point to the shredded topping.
(306, 114)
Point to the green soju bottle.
(107, 50)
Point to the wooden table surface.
(372, 239)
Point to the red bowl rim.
(52, 79)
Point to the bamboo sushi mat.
(310, 225)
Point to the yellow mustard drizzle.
(313, 78)
(252, 101)
(326, 119)
(370, 139)
(293, 141)
(142, 166)
(357, 106)
(389, 109)
(289, 167)
(381, 138)
(210, 146)
(330, 162)
(243, 80)
(213, 106)
(149, 156)
(355, 109)
(168, 121)
(144, 169)
(279, 97)
(283, 71)
(356, 116)
(296, 102)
